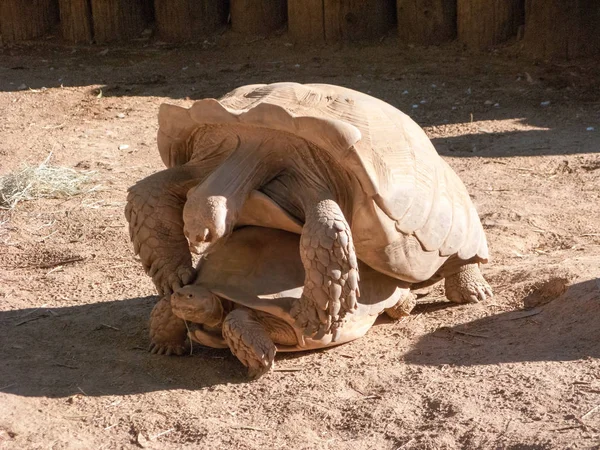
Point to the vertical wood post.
(257, 17)
(116, 20)
(26, 19)
(305, 20)
(340, 20)
(426, 22)
(76, 20)
(357, 19)
(484, 23)
(185, 20)
(562, 29)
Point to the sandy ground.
(521, 371)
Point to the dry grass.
(43, 181)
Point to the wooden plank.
(26, 19)
(305, 20)
(76, 20)
(426, 22)
(575, 34)
(116, 20)
(185, 20)
(354, 20)
(485, 23)
(257, 17)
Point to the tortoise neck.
(252, 164)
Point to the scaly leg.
(154, 211)
(467, 285)
(404, 306)
(168, 333)
(331, 268)
(249, 341)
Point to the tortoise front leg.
(331, 268)
(249, 341)
(154, 211)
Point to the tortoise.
(244, 299)
(354, 176)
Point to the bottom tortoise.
(244, 298)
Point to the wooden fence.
(549, 28)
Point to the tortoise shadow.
(565, 329)
(99, 349)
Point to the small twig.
(357, 390)
(81, 390)
(262, 38)
(34, 310)
(83, 416)
(118, 281)
(111, 426)
(590, 234)
(110, 326)
(7, 386)
(527, 314)
(406, 443)
(472, 344)
(590, 412)
(53, 270)
(31, 320)
(246, 427)
(53, 127)
(161, 434)
(471, 334)
(46, 237)
(568, 428)
(189, 337)
(65, 365)
(58, 263)
(506, 427)
(290, 369)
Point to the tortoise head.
(195, 303)
(206, 220)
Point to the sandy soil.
(519, 372)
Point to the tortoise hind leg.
(168, 333)
(467, 285)
(249, 341)
(404, 306)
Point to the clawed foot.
(169, 349)
(249, 342)
(168, 333)
(168, 277)
(405, 305)
(467, 286)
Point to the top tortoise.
(350, 173)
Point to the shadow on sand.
(566, 329)
(100, 349)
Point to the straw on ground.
(43, 181)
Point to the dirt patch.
(518, 372)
